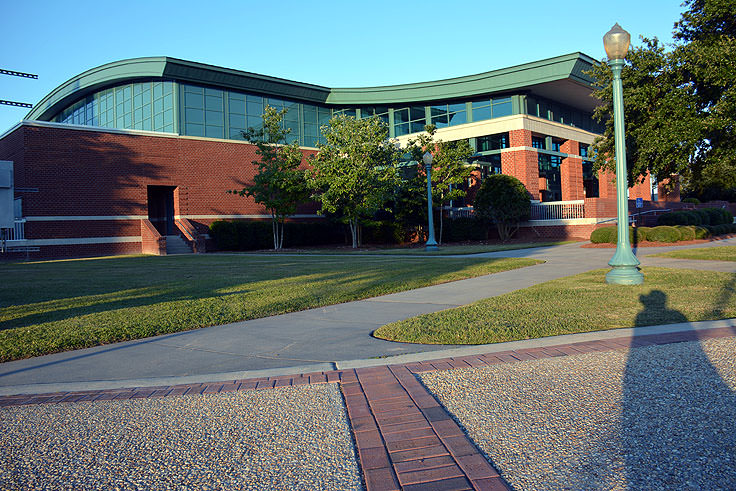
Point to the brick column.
(606, 184)
(669, 189)
(642, 189)
(523, 163)
(571, 172)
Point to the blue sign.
(640, 202)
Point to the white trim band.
(78, 241)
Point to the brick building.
(138, 154)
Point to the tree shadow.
(678, 422)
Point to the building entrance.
(161, 208)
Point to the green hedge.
(704, 216)
(609, 235)
(664, 233)
(462, 229)
(687, 232)
(253, 235)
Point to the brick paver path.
(404, 438)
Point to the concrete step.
(175, 244)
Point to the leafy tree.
(449, 168)
(505, 201)
(280, 186)
(680, 105)
(354, 173)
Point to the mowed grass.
(48, 307)
(444, 250)
(720, 253)
(579, 303)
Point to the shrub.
(604, 235)
(252, 235)
(694, 201)
(701, 233)
(704, 216)
(609, 235)
(465, 228)
(224, 235)
(505, 201)
(687, 232)
(664, 233)
(640, 234)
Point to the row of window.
(219, 113)
(140, 106)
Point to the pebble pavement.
(658, 417)
(284, 438)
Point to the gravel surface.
(660, 417)
(286, 438)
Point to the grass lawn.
(573, 304)
(53, 306)
(445, 250)
(721, 253)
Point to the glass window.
(401, 116)
(417, 126)
(492, 142)
(502, 107)
(458, 118)
(416, 112)
(441, 121)
(583, 150)
(538, 142)
(481, 113)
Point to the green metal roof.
(562, 76)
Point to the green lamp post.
(431, 243)
(624, 263)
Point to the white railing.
(458, 212)
(18, 230)
(558, 210)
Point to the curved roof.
(561, 78)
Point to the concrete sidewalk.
(314, 340)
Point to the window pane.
(193, 100)
(479, 104)
(401, 116)
(481, 113)
(214, 132)
(194, 116)
(458, 118)
(503, 109)
(417, 126)
(401, 129)
(213, 103)
(416, 112)
(456, 107)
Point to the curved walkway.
(315, 340)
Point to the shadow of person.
(678, 422)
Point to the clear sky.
(336, 44)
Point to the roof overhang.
(562, 78)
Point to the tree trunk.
(354, 231)
(441, 224)
(275, 231)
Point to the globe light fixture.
(624, 263)
(431, 243)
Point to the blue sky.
(336, 44)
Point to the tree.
(280, 186)
(449, 167)
(680, 105)
(354, 173)
(505, 201)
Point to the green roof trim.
(565, 68)
(510, 79)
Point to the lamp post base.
(624, 275)
(431, 247)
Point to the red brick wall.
(98, 173)
(571, 172)
(523, 165)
